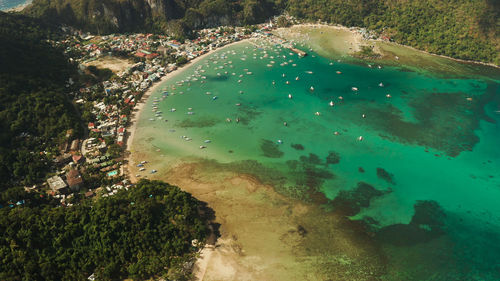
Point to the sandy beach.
(324, 39)
(341, 42)
(19, 8)
(140, 106)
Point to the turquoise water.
(429, 153)
(9, 4)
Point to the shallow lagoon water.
(433, 143)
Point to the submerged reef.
(270, 149)
(385, 175)
(443, 121)
(297, 146)
(198, 122)
(332, 158)
(350, 202)
(426, 224)
(247, 114)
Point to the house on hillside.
(74, 180)
(57, 184)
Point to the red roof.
(152, 55)
(76, 158)
(91, 125)
(121, 130)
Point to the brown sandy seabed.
(267, 236)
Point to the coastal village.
(94, 165)
(119, 70)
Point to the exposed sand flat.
(265, 236)
(337, 41)
(323, 39)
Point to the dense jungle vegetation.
(146, 231)
(466, 29)
(35, 111)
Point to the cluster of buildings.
(110, 102)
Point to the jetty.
(298, 52)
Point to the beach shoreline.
(340, 42)
(263, 232)
(362, 41)
(18, 8)
(140, 105)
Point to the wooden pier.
(299, 52)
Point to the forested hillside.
(174, 16)
(147, 231)
(35, 112)
(466, 29)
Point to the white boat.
(142, 169)
(388, 96)
(381, 84)
(331, 103)
(153, 171)
(354, 89)
(360, 138)
(297, 78)
(290, 96)
(317, 113)
(202, 147)
(312, 88)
